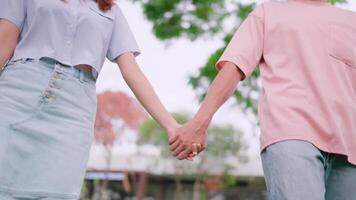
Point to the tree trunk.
(126, 182)
(196, 192)
(105, 183)
(104, 190)
(162, 190)
(179, 188)
(142, 182)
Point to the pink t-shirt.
(306, 51)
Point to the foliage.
(195, 19)
(151, 133)
(223, 141)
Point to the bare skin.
(144, 92)
(195, 131)
(85, 68)
(9, 35)
(130, 70)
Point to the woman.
(56, 50)
(306, 50)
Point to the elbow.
(232, 71)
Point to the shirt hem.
(93, 66)
(314, 142)
(135, 52)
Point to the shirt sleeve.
(122, 39)
(246, 46)
(13, 11)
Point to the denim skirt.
(46, 129)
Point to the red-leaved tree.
(116, 112)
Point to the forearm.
(3, 58)
(5, 54)
(219, 92)
(148, 98)
(8, 41)
(145, 93)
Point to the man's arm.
(220, 90)
(9, 34)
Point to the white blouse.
(73, 31)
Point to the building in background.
(119, 168)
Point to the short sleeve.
(13, 11)
(246, 46)
(122, 39)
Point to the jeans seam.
(328, 167)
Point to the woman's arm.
(144, 92)
(9, 34)
(194, 132)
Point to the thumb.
(195, 149)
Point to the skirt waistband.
(52, 63)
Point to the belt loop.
(81, 75)
(23, 60)
(55, 67)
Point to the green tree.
(194, 19)
(223, 142)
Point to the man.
(306, 50)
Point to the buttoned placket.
(50, 94)
(71, 32)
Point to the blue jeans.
(46, 129)
(297, 170)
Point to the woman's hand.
(189, 140)
(173, 134)
(144, 92)
(195, 132)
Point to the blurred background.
(180, 42)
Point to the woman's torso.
(74, 32)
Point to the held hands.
(188, 140)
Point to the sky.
(168, 67)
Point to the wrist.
(202, 121)
(171, 126)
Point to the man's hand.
(173, 135)
(188, 140)
(194, 132)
